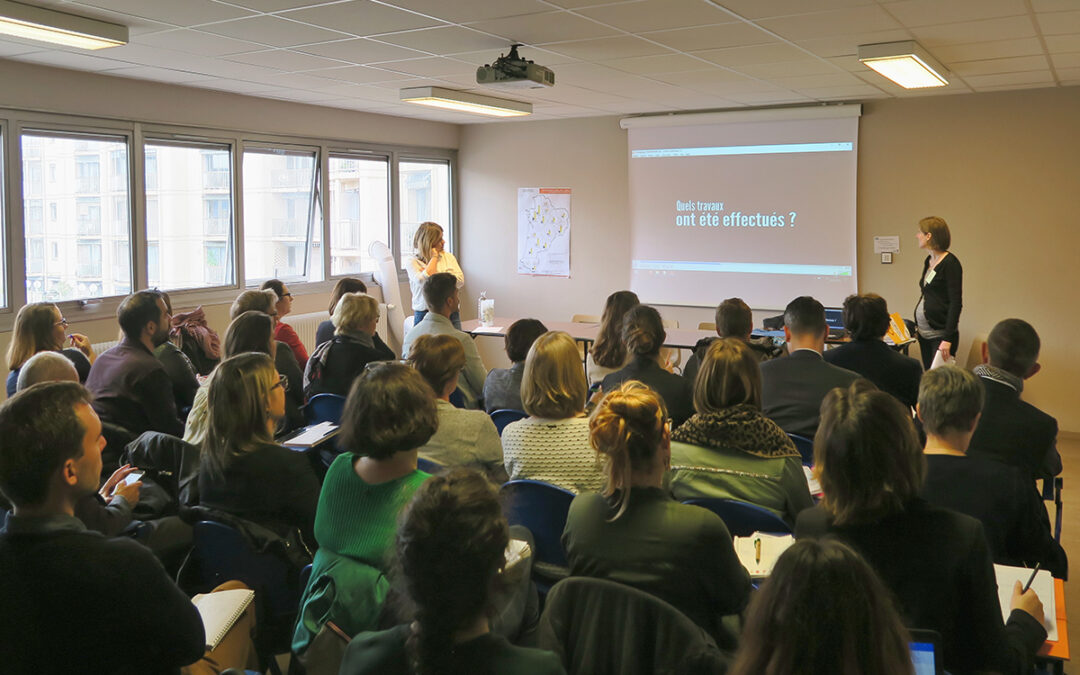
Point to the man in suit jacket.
(793, 387)
(867, 319)
(1012, 430)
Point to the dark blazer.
(346, 359)
(132, 389)
(938, 567)
(1016, 432)
(943, 296)
(677, 392)
(793, 387)
(1002, 499)
(286, 364)
(325, 332)
(889, 370)
(182, 374)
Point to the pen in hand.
(757, 550)
(1032, 577)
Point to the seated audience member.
(792, 387)
(283, 332)
(335, 364)
(785, 631)
(643, 333)
(441, 292)
(243, 472)
(46, 367)
(552, 443)
(866, 318)
(390, 412)
(734, 319)
(178, 367)
(75, 601)
(936, 562)
(608, 352)
(634, 533)
(325, 331)
(265, 301)
(450, 549)
(466, 437)
(729, 449)
(1000, 496)
(131, 388)
(199, 342)
(40, 327)
(502, 388)
(1012, 430)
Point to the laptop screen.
(834, 317)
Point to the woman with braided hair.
(634, 533)
(450, 547)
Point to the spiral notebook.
(220, 611)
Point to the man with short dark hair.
(793, 387)
(130, 387)
(442, 297)
(75, 601)
(866, 318)
(1012, 430)
(733, 319)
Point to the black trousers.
(929, 346)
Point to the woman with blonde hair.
(552, 444)
(634, 533)
(730, 449)
(40, 327)
(335, 364)
(429, 258)
(608, 352)
(243, 472)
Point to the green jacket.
(342, 590)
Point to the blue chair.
(428, 466)
(324, 408)
(541, 508)
(743, 519)
(805, 446)
(505, 416)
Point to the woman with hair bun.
(634, 533)
(450, 549)
(784, 631)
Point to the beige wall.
(1003, 169)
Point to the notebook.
(1043, 585)
(760, 563)
(311, 435)
(516, 551)
(220, 611)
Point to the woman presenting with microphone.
(937, 314)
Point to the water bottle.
(485, 310)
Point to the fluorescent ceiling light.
(905, 63)
(61, 28)
(463, 101)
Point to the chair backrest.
(805, 446)
(584, 318)
(743, 519)
(324, 408)
(599, 626)
(541, 508)
(705, 325)
(428, 466)
(505, 416)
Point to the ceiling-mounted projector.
(513, 72)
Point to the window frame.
(392, 223)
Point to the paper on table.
(312, 435)
(488, 329)
(811, 482)
(771, 547)
(1043, 586)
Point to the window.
(121, 266)
(118, 162)
(187, 213)
(35, 256)
(279, 211)
(424, 189)
(150, 168)
(359, 211)
(33, 186)
(153, 265)
(74, 271)
(34, 216)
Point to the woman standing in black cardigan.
(937, 314)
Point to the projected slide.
(764, 210)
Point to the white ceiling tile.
(272, 31)
(651, 15)
(445, 40)
(235, 86)
(195, 42)
(537, 29)
(849, 63)
(359, 74)
(1000, 79)
(837, 22)
(800, 68)
(284, 59)
(843, 92)
(361, 51)
(1068, 75)
(745, 56)
(711, 37)
(997, 49)
(74, 61)
(162, 75)
(615, 47)
(137, 25)
(846, 45)
(967, 32)
(1059, 23)
(234, 70)
(661, 63)
(758, 9)
(929, 12)
(164, 58)
(430, 67)
(1017, 64)
(1063, 43)
(1066, 60)
(1015, 87)
(10, 47)
(812, 81)
(185, 13)
(770, 98)
(361, 18)
(460, 11)
(698, 79)
(576, 4)
(274, 5)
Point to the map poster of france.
(544, 231)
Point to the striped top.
(552, 451)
